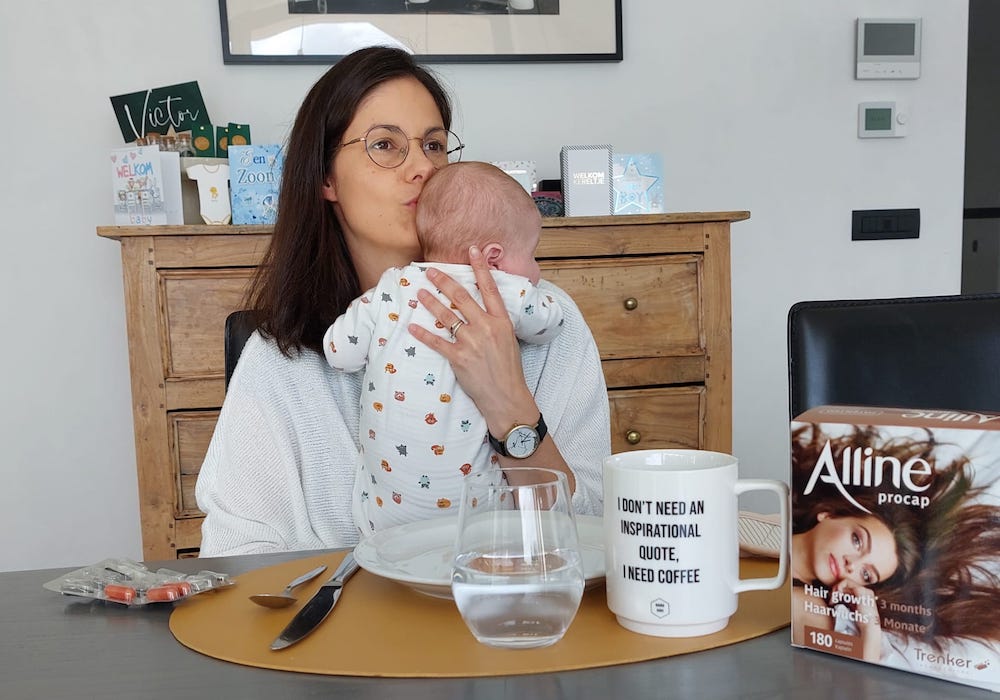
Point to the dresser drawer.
(195, 304)
(190, 433)
(636, 307)
(647, 419)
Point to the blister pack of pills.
(131, 583)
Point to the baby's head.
(473, 203)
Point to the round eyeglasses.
(388, 146)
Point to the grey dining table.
(54, 646)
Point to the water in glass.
(514, 605)
(517, 576)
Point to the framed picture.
(434, 31)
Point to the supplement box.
(895, 547)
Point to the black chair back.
(918, 352)
(240, 325)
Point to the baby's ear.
(493, 252)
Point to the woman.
(844, 555)
(279, 472)
(931, 571)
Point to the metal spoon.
(285, 598)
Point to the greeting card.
(255, 178)
(637, 181)
(586, 180)
(161, 110)
(173, 200)
(213, 191)
(137, 186)
(521, 170)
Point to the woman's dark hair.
(307, 278)
(945, 586)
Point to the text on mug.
(640, 573)
(636, 505)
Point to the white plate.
(419, 554)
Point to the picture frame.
(434, 31)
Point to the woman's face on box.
(861, 549)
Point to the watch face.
(522, 442)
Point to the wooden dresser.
(655, 290)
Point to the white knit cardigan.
(279, 471)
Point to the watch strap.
(541, 428)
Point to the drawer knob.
(633, 437)
(631, 304)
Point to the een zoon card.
(255, 181)
(896, 539)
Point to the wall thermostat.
(888, 49)
(880, 120)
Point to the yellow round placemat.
(382, 628)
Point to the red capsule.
(162, 594)
(119, 594)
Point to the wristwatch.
(521, 440)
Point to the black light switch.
(884, 224)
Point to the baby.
(420, 434)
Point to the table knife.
(319, 606)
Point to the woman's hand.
(863, 602)
(484, 355)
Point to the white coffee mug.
(671, 540)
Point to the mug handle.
(781, 490)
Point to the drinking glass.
(517, 576)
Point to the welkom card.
(637, 180)
(137, 186)
(586, 180)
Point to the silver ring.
(453, 330)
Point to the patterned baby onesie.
(420, 433)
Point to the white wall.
(752, 104)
